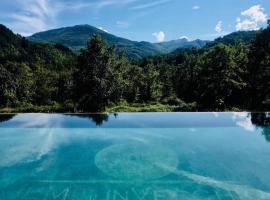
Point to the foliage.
(235, 38)
(140, 107)
(259, 71)
(230, 74)
(33, 73)
(99, 78)
(220, 76)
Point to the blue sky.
(148, 20)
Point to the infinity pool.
(125, 156)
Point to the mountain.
(231, 39)
(17, 49)
(76, 38)
(182, 43)
(8, 38)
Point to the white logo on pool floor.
(136, 161)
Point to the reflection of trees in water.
(6, 117)
(98, 119)
(266, 133)
(262, 120)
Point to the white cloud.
(122, 24)
(33, 15)
(218, 27)
(149, 5)
(255, 13)
(184, 37)
(105, 3)
(103, 29)
(97, 5)
(160, 36)
(195, 7)
(254, 17)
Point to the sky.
(139, 20)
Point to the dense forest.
(224, 75)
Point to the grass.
(149, 107)
(140, 107)
(122, 106)
(28, 108)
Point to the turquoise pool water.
(140, 156)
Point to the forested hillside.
(76, 38)
(245, 37)
(33, 73)
(222, 76)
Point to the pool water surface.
(135, 156)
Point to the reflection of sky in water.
(243, 120)
(220, 155)
(133, 120)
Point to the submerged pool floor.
(154, 156)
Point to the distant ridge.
(76, 37)
(245, 37)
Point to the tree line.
(217, 77)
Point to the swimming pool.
(135, 156)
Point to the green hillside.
(171, 46)
(31, 73)
(76, 37)
(245, 37)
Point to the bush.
(186, 107)
(140, 107)
(172, 100)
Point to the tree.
(166, 79)
(259, 72)
(98, 78)
(219, 77)
(151, 88)
(45, 87)
(134, 84)
(15, 84)
(23, 78)
(6, 86)
(186, 76)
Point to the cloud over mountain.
(160, 36)
(251, 18)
